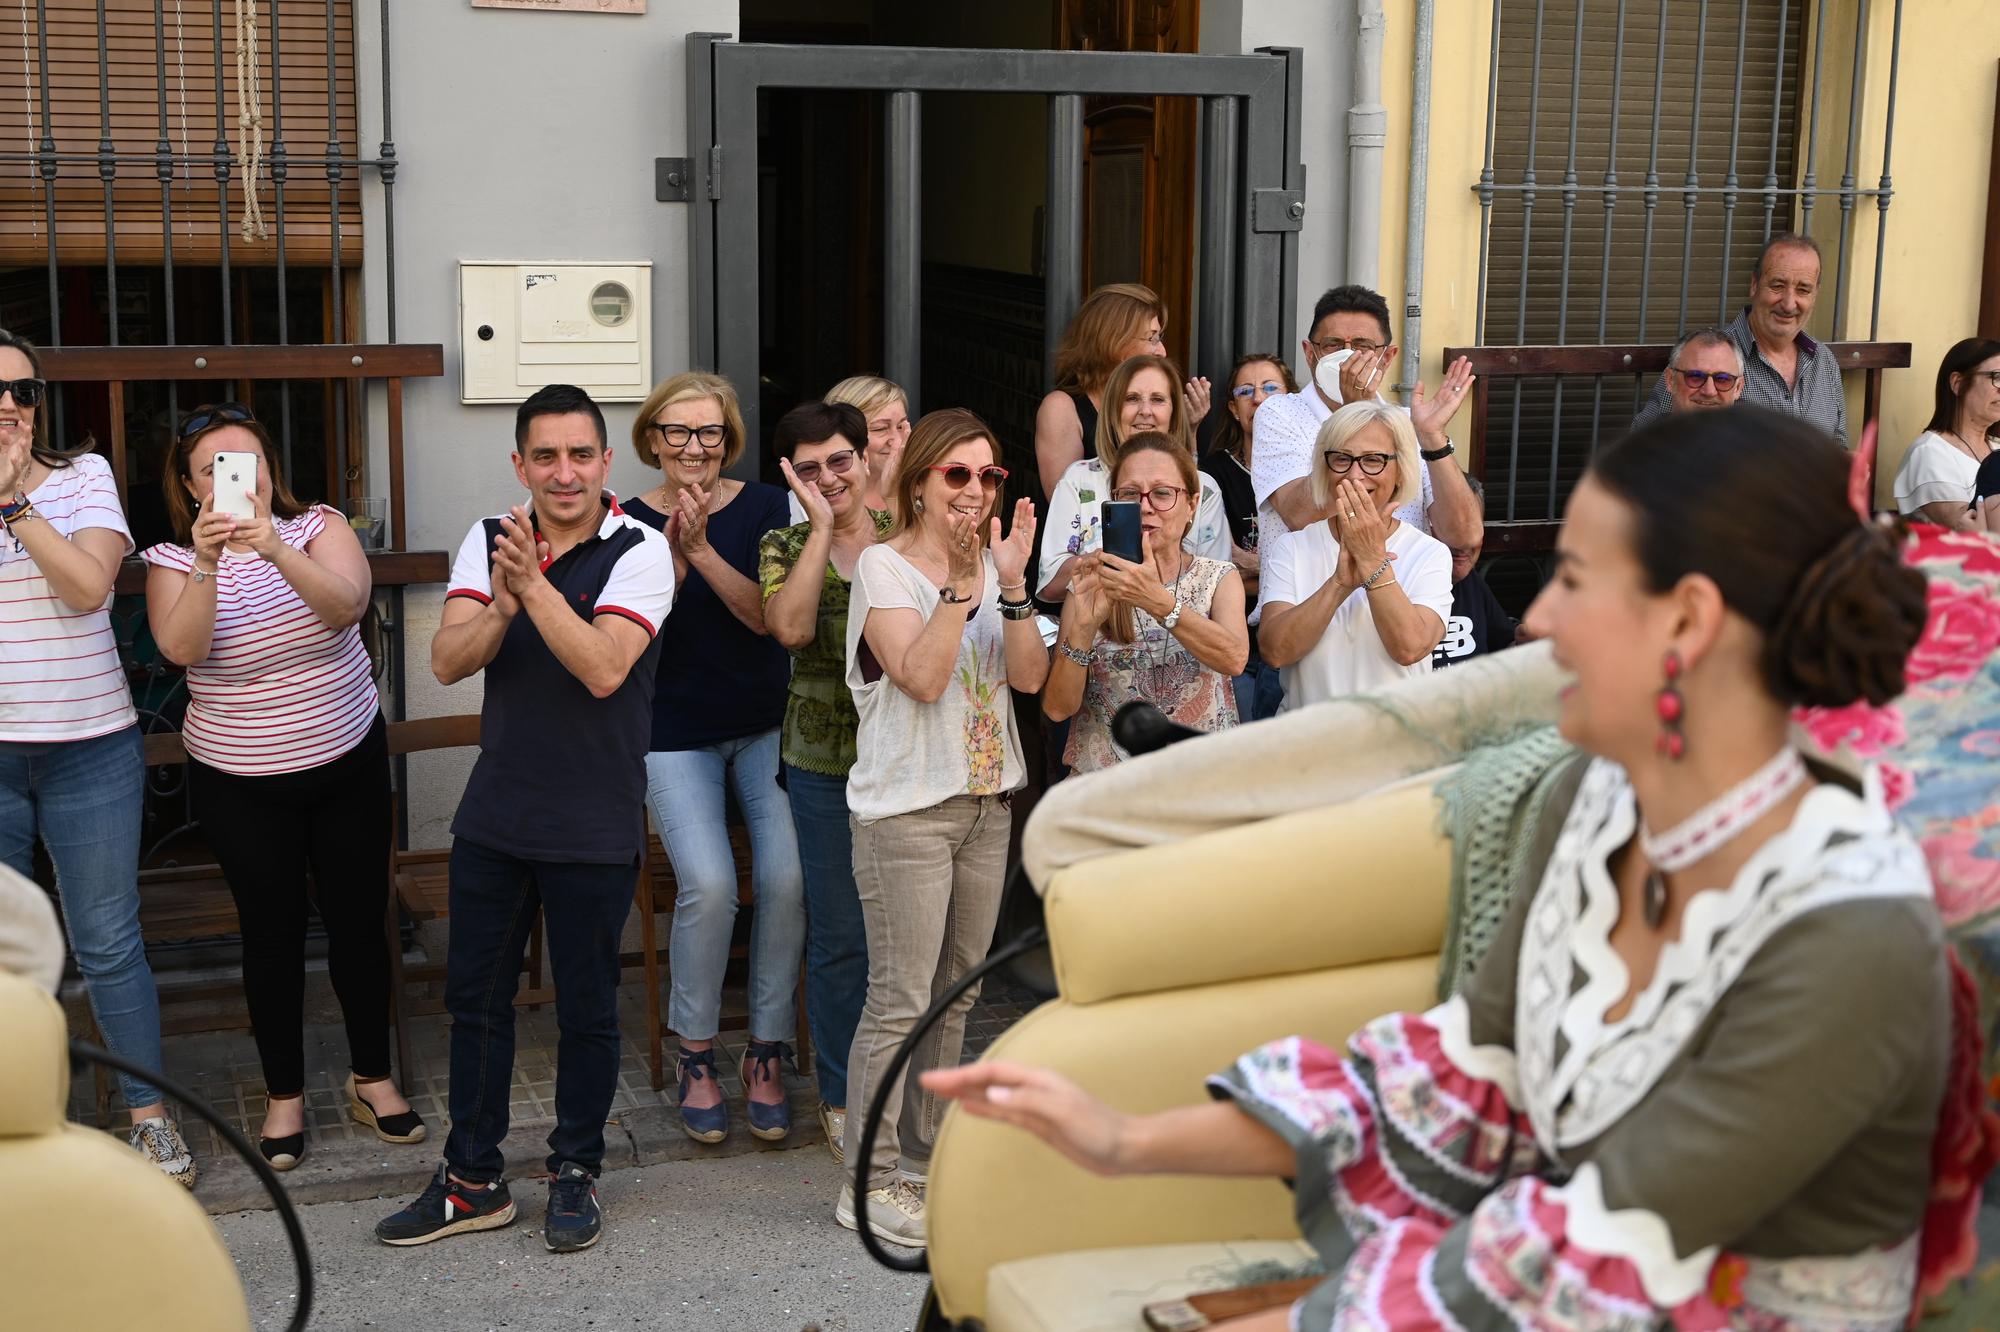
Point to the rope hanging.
(249, 118)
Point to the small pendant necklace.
(1714, 825)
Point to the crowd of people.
(836, 659)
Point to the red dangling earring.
(1672, 709)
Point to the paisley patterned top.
(818, 734)
(1748, 1147)
(1157, 667)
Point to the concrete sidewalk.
(743, 1242)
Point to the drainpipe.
(1413, 245)
(1367, 125)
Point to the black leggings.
(265, 832)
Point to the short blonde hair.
(1107, 441)
(1109, 318)
(686, 388)
(935, 436)
(1351, 420)
(868, 393)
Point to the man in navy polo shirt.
(560, 603)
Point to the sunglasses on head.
(27, 392)
(223, 413)
(958, 475)
(840, 464)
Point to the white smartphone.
(235, 484)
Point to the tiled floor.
(222, 1066)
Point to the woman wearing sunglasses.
(805, 571)
(288, 757)
(940, 634)
(1360, 600)
(1256, 379)
(1939, 475)
(1169, 630)
(717, 709)
(72, 769)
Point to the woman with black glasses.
(1357, 601)
(717, 710)
(72, 768)
(1938, 479)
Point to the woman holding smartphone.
(288, 759)
(72, 767)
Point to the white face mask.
(1327, 374)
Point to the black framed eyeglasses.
(1371, 464)
(1696, 378)
(1161, 498)
(681, 438)
(1990, 376)
(27, 392)
(222, 413)
(840, 464)
(1271, 387)
(1331, 345)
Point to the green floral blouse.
(819, 711)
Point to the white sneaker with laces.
(895, 1213)
(159, 1140)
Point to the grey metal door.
(1251, 195)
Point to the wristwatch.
(1173, 616)
(1437, 455)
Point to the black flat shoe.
(283, 1153)
(405, 1127)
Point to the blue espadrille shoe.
(711, 1124)
(763, 1064)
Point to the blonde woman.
(717, 708)
(1140, 394)
(940, 634)
(1168, 629)
(1114, 324)
(1359, 600)
(886, 408)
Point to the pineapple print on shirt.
(980, 680)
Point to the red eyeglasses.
(958, 475)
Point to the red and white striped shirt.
(60, 677)
(279, 691)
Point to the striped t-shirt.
(279, 691)
(60, 677)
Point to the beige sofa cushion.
(1103, 1290)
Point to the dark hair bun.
(1849, 626)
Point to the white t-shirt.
(1349, 658)
(1284, 442)
(1934, 471)
(278, 691)
(1075, 521)
(910, 755)
(60, 677)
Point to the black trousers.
(266, 831)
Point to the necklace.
(1969, 447)
(1715, 824)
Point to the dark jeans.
(1259, 690)
(265, 832)
(494, 898)
(836, 940)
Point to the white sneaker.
(159, 1141)
(895, 1213)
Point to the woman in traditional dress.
(1698, 1074)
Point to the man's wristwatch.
(1437, 455)
(1173, 616)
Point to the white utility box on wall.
(522, 326)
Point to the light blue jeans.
(84, 798)
(686, 789)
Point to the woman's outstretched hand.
(1046, 1104)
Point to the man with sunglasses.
(1705, 371)
(558, 603)
(1784, 368)
(1348, 354)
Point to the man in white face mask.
(1348, 355)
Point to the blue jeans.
(1259, 690)
(85, 799)
(494, 898)
(836, 939)
(686, 788)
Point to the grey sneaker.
(895, 1213)
(159, 1140)
(833, 1123)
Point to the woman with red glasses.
(940, 632)
(1170, 630)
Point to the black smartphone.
(1122, 536)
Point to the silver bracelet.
(1373, 578)
(1080, 658)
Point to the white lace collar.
(1839, 847)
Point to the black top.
(1477, 625)
(561, 775)
(1086, 416)
(718, 678)
(1987, 484)
(1239, 500)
